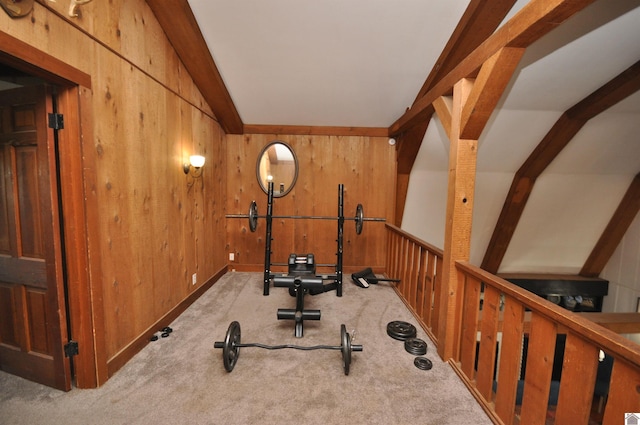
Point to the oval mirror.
(277, 163)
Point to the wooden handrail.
(417, 264)
(620, 323)
(507, 316)
(494, 378)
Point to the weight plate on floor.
(231, 351)
(401, 330)
(423, 363)
(416, 346)
(345, 348)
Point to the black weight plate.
(345, 348)
(253, 216)
(401, 330)
(231, 351)
(359, 219)
(415, 346)
(423, 363)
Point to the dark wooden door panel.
(32, 313)
(30, 236)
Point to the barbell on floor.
(232, 344)
(253, 217)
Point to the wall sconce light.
(195, 162)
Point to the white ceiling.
(325, 63)
(361, 63)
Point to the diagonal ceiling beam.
(487, 90)
(614, 232)
(479, 21)
(177, 20)
(533, 21)
(567, 126)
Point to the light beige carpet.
(181, 379)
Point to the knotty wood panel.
(151, 226)
(366, 167)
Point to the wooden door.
(32, 309)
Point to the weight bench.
(299, 285)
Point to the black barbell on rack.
(253, 217)
(232, 344)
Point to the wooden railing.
(506, 344)
(417, 264)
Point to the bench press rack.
(337, 277)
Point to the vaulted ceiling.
(376, 67)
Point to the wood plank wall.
(365, 165)
(155, 226)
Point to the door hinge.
(56, 121)
(71, 349)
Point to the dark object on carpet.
(415, 346)
(423, 363)
(401, 330)
(232, 344)
(366, 277)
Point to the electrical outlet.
(194, 278)
(232, 256)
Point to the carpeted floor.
(181, 379)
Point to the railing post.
(457, 241)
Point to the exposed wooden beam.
(534, 20)
(479, 21)
(493, 78)
(442, 105)
(457, 240)
(614, 232)
(316, 130)
(567, 126)
(177, 20)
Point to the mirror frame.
(295, 174)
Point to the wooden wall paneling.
(177, 204)
(162, 172)
(191, 200)
(141, 224)
(116, 161)
(133, 164)
(365, 166)
(215, 197)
